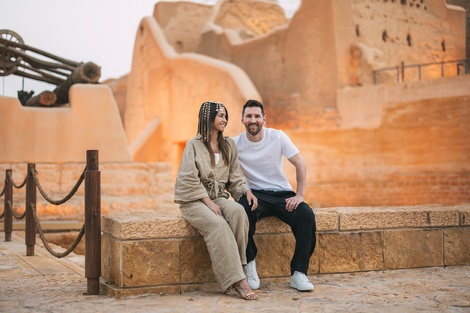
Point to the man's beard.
(253, 132)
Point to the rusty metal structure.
(17, 58)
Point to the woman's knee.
(232, 207)
(236, 215)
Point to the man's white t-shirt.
(261, 161)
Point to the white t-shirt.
(261, 161)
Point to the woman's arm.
(188, 186)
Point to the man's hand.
(252, 200)
(293, 202)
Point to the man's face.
(253, 119)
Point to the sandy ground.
(42, 283)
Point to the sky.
(100, 31)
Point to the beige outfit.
(226, 237)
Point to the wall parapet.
(349, 239)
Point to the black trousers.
(301, 221)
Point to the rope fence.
(91, 228)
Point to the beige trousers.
(226, 237)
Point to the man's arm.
(301, 179)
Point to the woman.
(209, 171)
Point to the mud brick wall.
(406, 189)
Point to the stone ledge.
(154, 225)
(151, 253)
(361, 218)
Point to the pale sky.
(100, 31)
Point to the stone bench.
(152, 254)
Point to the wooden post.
(92, 223)
(8, 215)
(30, 226)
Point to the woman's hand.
(214, 207)
(252, 200)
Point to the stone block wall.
(126, 187)
(149, 254)
(399, 147)
(405, 188)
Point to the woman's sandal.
(247, 296)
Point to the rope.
(46, 244)
(13, 183)
(19, 217)
(67, 197)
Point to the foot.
(251, 275)
(244, 290)
(300, 282)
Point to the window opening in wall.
(408, 39)
(358, 32)
(384, 36)
(403, 2)
(443, 45)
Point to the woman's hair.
(207, 114)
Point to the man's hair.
(251, 104)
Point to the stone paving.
(42, 283)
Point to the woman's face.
(220, 121)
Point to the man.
(260, 152)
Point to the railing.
(91, 228)
(434, 69)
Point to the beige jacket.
(197, 179)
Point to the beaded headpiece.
(207, 114)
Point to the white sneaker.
(300, 282)
(251, 275)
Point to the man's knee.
(305, 213)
